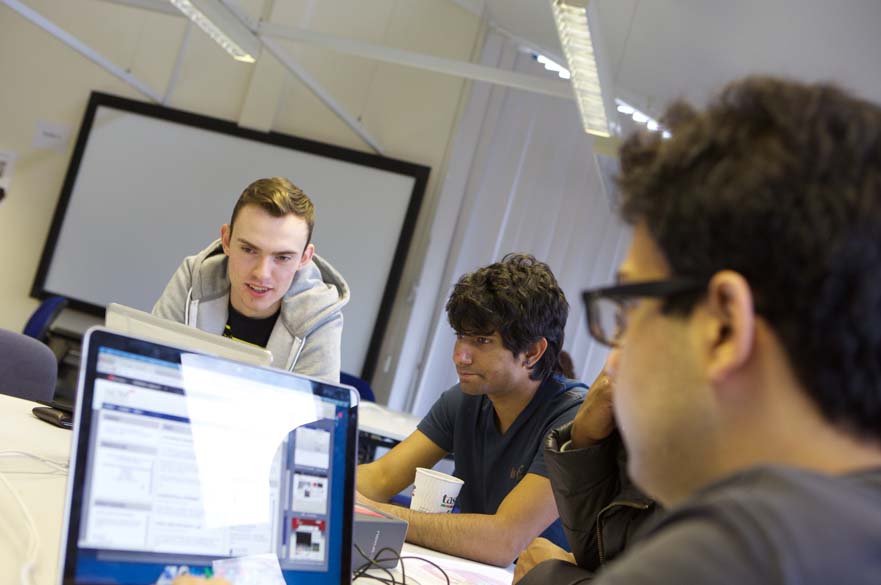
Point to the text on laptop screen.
(202, 465)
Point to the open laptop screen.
(190, 463)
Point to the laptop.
(140, 324)
(188, 463)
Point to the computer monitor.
(184, 462)
(140, 324)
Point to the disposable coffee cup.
(434, 492)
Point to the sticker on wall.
(7, 162)
(51, 136)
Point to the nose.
(461, 354)
(262, 268)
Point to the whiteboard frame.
(419, 173)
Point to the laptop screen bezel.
(96, 338)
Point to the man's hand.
(595, 419)
(539, 550)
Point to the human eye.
(284, 258)
(247, 249)
(483, 340)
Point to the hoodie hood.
(316, 294)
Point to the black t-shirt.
(253, 331)
(491, 463)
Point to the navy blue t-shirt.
(491, 463)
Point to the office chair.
(43, 317)
(360, 385)
(28, 368)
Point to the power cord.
(55, 465)
(34, 546)
(34, 536)
(373, 563)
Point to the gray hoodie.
(306, 337)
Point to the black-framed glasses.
(607, 306)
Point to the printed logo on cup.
(434, 492)
(448, 502)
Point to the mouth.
(258, 290)
(466, 375)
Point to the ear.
(225, 235)
(730, 326)
(307, 256)
(534, 352)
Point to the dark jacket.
(599, 506)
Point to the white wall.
(521, 177)
(410, 112)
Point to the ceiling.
(660, 50)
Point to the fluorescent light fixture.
(223, 26)
(641, 117)
(578, 46)
(552, 65)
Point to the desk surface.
(460, 571)
(43, 492)
(40, 488)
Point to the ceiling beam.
(290, 64)
(322, 94)
(464, 69)
(163, 6)
(86, 51)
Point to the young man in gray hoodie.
(262, 283)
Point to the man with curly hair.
(509, 318)
(748, 320)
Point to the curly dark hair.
(781, 182)
(520, 299)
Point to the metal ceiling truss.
(267, 33)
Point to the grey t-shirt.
(772, 525)
(491, 463)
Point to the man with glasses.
(748, 325)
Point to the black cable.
(374, 563)
(432, 563)
(361, 573)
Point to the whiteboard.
(149, 185)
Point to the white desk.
(44, 495)
(460, 571)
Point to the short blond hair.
(278, 197)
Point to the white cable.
(50, 462)
(34, 547)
